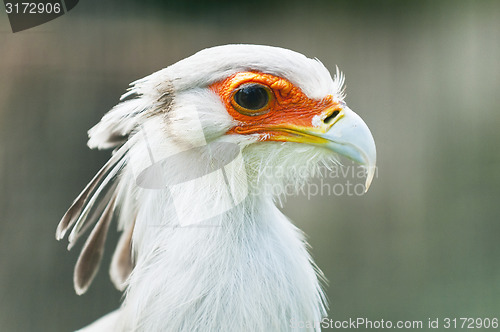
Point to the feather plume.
(122, 262)
(92, 211)
(90, 258)
(75, 211)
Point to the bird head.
(277, 106)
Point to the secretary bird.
(202, 150)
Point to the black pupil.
(252, 97)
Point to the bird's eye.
(252, 99)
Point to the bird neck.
(245, 269)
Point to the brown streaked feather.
(90, 258)
(91, 213)
(116, 139)
(122, 263)
(75, 210)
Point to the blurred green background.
(424, 75)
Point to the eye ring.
(252, 99)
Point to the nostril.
(330, 118)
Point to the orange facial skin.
(290, 111)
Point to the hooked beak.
(349, 136)
(340, 130)
(346, 134)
